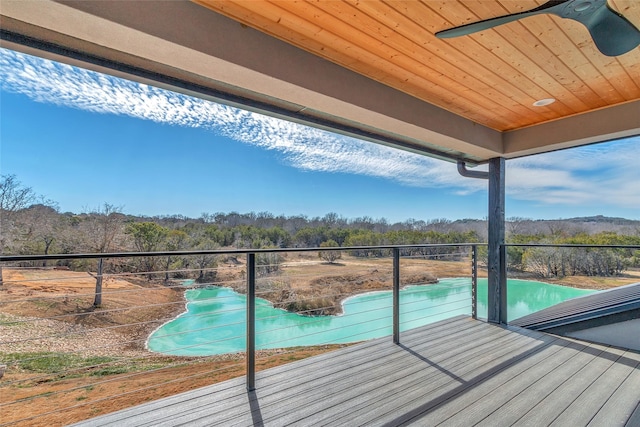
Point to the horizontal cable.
(440, 305)
(434, 315)
(348, 336)
(204, 315)
(13, 258)
(106, 311)
(320, 319)
(552, 245)
(115, 362)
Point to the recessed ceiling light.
(543, 102)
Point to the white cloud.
(593, 175)
(556, 178)
(302, 147)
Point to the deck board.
(451, 373)
(325, 379)
(274, 382)
(470, 405)
(376, 399)
(420, 398)
(591, 401)
(618, 409)
(396, 378)
(634, 419)
(295, 388)
(557, 401)
(510, 412)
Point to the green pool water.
(214, 322)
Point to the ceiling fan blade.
(612, 33)
(463, 30)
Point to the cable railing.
(159, 331)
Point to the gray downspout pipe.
(462, 170)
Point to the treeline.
(32, 225)
(576, 261)
(40, 229)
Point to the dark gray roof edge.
(605, 307)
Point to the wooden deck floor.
(459, 372)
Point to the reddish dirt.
(67, 401)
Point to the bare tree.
(330, 256)
(176, 240)
(104, 229)
(515, 225)
(40, 226)
(14, 196)
(147, 237)
(199, 239)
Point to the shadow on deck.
(458, 372)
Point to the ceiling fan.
(612, 33)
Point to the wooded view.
(31, 224)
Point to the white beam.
(606, 124)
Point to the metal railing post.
(251, 321)
(474, 281)
(396, 295)
(503, 285)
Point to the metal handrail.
(569, 245)
(17, 258)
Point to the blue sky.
(83, 139)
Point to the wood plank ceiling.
(492, 77)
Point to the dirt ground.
(129, 311)
(64, 401)
(47, 310)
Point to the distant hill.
(606, 220)
(568, 226)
